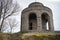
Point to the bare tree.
(10, 23)
(7, 10)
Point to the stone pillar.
(39, 26)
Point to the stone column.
(39, 26)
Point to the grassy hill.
(38, 36)
(30, 36)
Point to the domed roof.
(35, 4)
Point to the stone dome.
(35, 4)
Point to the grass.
(38, 36)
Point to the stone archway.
(32, 21)
(45, 21)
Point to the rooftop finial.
(35, 4)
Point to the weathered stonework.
(35, 17)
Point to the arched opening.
(32, 21)
(45, 21)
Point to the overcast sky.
(53, 4)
